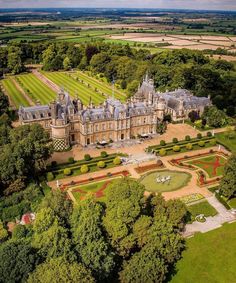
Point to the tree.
(228, 182)
(4, 103)
(3, 233)
(125, 201)
(26, 153)
(59, 270)
(17, 260)
(67, 63)
(88, 238)
(193, 116)
(99, 62)
(15, 64)
(214, 117)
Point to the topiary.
(87, 157)
(117, 161)
(189, 146)
(213, 142)
(209, 134)
(84, 169)
(101, 164)
(187, 138)
(199, 135)
(201, 143)
(67, 171)
(162, 152)
(71, 160)
(104, 154)
(50, 176)
(162, 143)
(176, 148)
(175, 140)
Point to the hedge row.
(179, 143)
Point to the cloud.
(180, 4)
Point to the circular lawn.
(165, 181)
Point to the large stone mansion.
(70, 122)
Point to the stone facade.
(70, 122)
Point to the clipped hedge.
(117, 161)
(176, 148)
(67, 171)
(162, 152)
(101, 164)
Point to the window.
(103, 127)
(96, 128)
(72, 126)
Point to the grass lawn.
(74, 87)
(229, 143)
(15, 95)
(178, 180)
(202, 207)
(213, 165)
(232, 203)
(209, 257)
(36, 88)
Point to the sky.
(173, 4)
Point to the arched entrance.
(122, 136)
(88, 141)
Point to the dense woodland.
(170, 69)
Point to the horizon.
(198, 5)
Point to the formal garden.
(165, 181)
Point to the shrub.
(117, 161)
(162, 152)
(101, 164)
(209, 134)
(187, 138)
(71, 160)
(50, 176)
(87, 157)
(176, 148)
(175, 140)
(199, 135)
(53, 164)
(189, 146)
(162, 143)
(213, 142)
(84, 169)
(67, 171)
(104, 154)
(201, 143)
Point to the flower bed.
(191, 198)
(124, 173)
(203, 181)
(145, 168)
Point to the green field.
(213, 165)
(229, 141)
(177, 181)
(202, 207)
(101, 86)
(74, 87)
(36, 89)
(209, 257)
(15, 95)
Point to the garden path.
(212, 222)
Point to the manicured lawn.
(213, 165)
(16, 96)
(232, 203)
(224, 139)
(202, 207)
(74, 87)
(101, 86)
(36, 89)
(209, 257)
(177, 181)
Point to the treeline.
(127, 66)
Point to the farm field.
(36, 89)
(198, 42)
(177, 181)
(213, 165)
(16, 97)
(101, 86)
(74, 87)
(209, 257)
